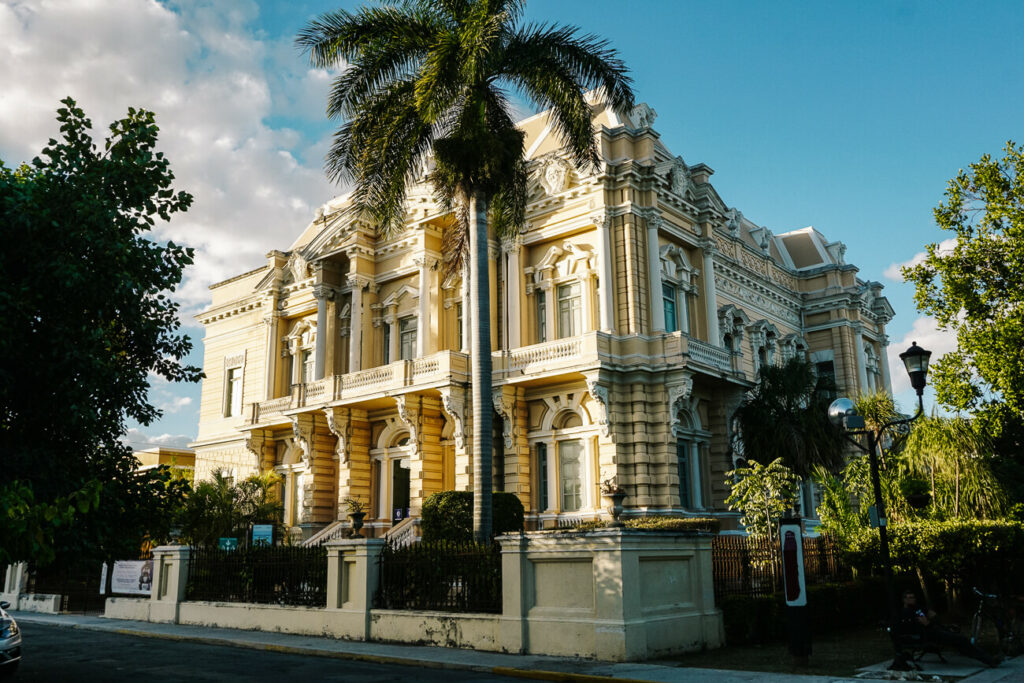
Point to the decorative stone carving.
(297, 267)
(599, 393)
(338, 425)
(454, 403)
(643, 116)
(731, 321)
(254, 442)
(733, 221)
(837, 250)
(506, 407)
(303, 431)
(679, 177)
(323, 291)
(554, 175)
(678, 398)
(410, 416)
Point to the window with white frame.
(570, 310)
(308, 366)
(407, 338)
(458, 324)
(386, 352)
(233, 392)
(683, 465)
(570, 470)
(541, 454)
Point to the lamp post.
(843, 414)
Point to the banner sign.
(791, 542)
(227, 543)
(130, 577)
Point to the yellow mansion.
(629, 317)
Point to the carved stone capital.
(357, 281)
(324, 292)
(601, 220)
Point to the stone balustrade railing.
(706, 354)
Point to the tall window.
(542, 476)
(458, 324)
(570, 467)
(827, 370)
(407, 338)
(386, 355)
(233, 393)
(683, 463)
(570, 310)
(542, 316)
(668, 298)
(307, 366)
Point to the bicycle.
(1008, 620)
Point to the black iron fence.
(277, 575)
(745, 566)
(443, 576)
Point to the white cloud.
(175, 403)
(139, 440)
(893, 271)
(927, 334)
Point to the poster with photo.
(131, 577)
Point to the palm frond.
(335, 38)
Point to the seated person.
(917, 623)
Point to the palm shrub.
(428, 82)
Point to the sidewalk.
(520, 666)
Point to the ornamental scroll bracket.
(303, 438)
(338, 424)
(506, 407)
(454, 403)
(254, 443)
(599, 392)
(410, 417)
(679, 399)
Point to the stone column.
(423, 325)
(467, 310)
(273, 352)
(654, 274)
(710, 294)
(513, 295)
(883, 362)
(606, 285)
(324, 295)
(696, 485)
(355, 335)
(862, 361)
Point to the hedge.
(960, 554)
(652, 523)
(448, 515)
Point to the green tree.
(973, 289)
(762, 494)
(953, 457)
(218, 508)
(785, 417)
(431, 79)
(87, 318)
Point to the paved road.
(54, 653)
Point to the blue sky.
(849, 117)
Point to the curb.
(511, 672)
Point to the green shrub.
(448, 515)
(958, 553)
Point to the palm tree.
(429, 79)
(786, 416)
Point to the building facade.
(629, 317)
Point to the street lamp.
(843, 414)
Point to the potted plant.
(617, 494)
(356, 513)
(917, 492)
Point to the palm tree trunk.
(480, 367)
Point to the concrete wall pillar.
(654, 274)
(352, 579)
(606, 285)
(170, 578)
